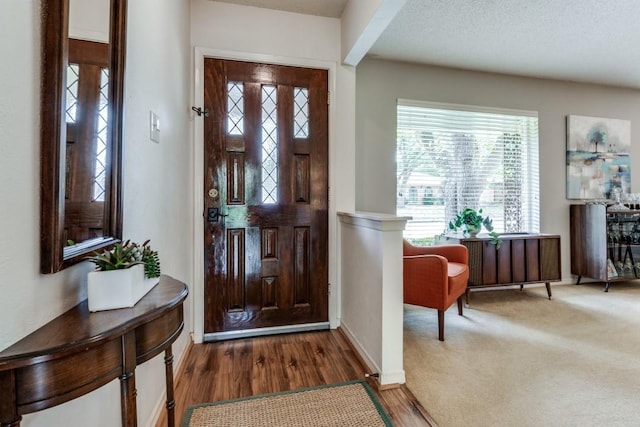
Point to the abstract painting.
(597, 157)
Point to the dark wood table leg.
(171, 402)
(606, 286)
(8, 407)
(128, 381)
(579, 278)
(548, 285)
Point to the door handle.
(213, 214)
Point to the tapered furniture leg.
(128, 381)
(171, 403)
(548, 285)
(441, 325)
(460, 305)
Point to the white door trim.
(200, 53)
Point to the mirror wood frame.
(54, 256)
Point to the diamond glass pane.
(269, 145)
(235, 108)
(300, 112)
(101, 139)
(72, 92)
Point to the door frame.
(200, 53)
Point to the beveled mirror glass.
(83, 55)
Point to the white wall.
(89, 20)
(158, 176)
(381, 83)
(157, 199)
(260, 35)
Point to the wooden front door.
(265, 198)
(87, 142)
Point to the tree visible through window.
(451, 157)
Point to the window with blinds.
(450, 157)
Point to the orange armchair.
(434, 277)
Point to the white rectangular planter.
(112, 289)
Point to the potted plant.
(471, 222)
(123, 275)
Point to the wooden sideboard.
(80, 351)
(605, 244)
(522, 259)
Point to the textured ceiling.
(595, 41)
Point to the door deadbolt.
(213, 193)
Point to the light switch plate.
(154, 127)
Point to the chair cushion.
(456, 269)
(458, 275)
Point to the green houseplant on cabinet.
(471, 222)
(123, 275)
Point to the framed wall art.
(597, 157)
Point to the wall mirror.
(83, 57)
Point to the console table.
(80, 351)
(523, 258)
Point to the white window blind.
(450, 157)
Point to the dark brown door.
(265, 197)
(86, 150)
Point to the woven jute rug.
(346, 404)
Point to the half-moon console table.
(79, 351)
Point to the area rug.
(345, 404)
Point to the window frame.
(530, 155)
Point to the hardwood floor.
(247, 367)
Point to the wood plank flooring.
(248, 367)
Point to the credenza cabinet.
(80, 351)
(605, 244)
(521, 259)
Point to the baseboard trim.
(364, 360)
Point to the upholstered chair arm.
(453, 252)
(425, 280)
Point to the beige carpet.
(347, 404)
(517, 359)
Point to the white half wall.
(372, 306)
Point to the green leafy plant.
(127, 254)
(151, 261)
(472, 221)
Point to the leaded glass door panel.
(265, 198)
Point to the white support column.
(371, 266)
